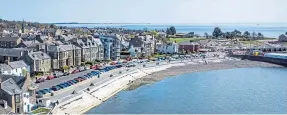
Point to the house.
(18, 68)
(9, 42)
(39, 61)
(64, 55)
(89, 48)
(188, 46)
(17, 93)
(143, 45)
(52, 32)
(161, 34)
(282, 38)
(170, 48)
(112, 46)
(12, 54)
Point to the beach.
(190, 68)
(86, 100)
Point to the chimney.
(8, 60)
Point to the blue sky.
(146, 11)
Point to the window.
(17, 98)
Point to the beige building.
(39, 61)
(64, 55)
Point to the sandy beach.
(190, 68)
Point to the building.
(64, 55)
(52, 32)
(89, 49)
(143, 45)
(186, 47)
(170, 48)
(39, 61)
(17, 93)
(282, 38)
(12, 54)
(9, 42)
(17, 68)
(112, 45)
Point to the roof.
(19, 80)
(13, 52)
(5, 111)
(17, 64)
(5, 67)
(38, 55)
(187, 43)
(59, 48)
(10, 87)
(9, 38)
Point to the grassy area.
(250, 42)
(41, 110)
(178, 40)
(158, 55)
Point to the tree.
(53, 26)
(260, 36)
(254, 35)
(285, 33)
(246, 34)
(236, 33)
(65, 68)
(168, 31)
(173, 30)
(228, 35)
(206, 35)
(217, 32)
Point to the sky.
(146, 11)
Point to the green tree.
(246, 34)
(217, 32)
(285, 33)
(66, 68)
(173, 30)
(53, 26)
(260, 36)
(206, 35)
(254, 35)
(168, 31)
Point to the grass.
(41, 110)
(178, 40)
(250, 42)
(158, 55)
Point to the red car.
(40, 80)
(93, 67)
(50, 77)
(75, 71)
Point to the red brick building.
(188, 46)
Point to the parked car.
(119, 65)
(58, 74)
(40, 80)
(56, 88)
(130, 65)
(66, 73)
(75, 71)
(50, 77)
(71, 82)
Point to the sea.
(231, 91)
(268, 30)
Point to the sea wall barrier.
(86, 100)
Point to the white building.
(282, 38)
(17, 68)
(167, 48)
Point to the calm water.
(269, 30)
(246, 90)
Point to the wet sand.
(190, 68)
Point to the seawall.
(86, 100)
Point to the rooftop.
(9, 38)
(39, 55)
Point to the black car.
(66, 73)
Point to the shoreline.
(192, 68)
(140, 77)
